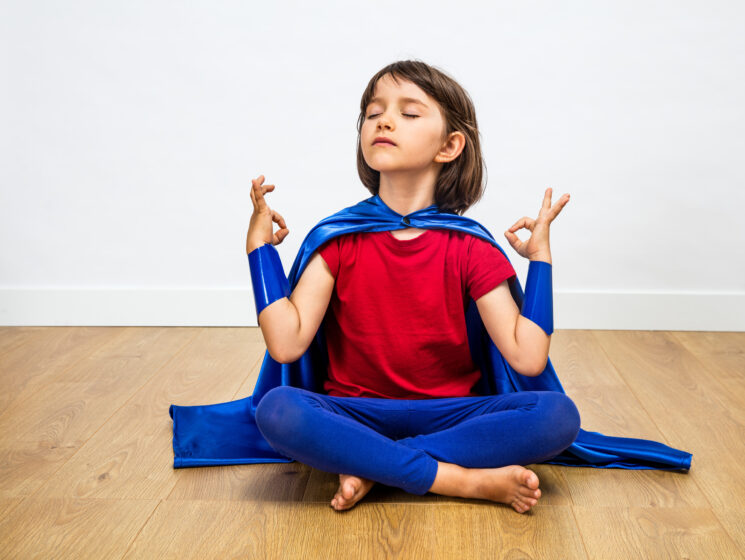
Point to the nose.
(383, 122)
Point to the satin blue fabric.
(226, 433)
(538, 305)
(267, 276)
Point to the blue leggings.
(399, 442)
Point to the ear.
(452, 147)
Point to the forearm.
(533, 344)
(531, 338)
(277, 316)
(280, 325)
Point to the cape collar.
(372, 214)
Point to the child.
(401, 406)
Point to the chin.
(376, 164)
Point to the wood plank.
(733, 520)
(86, 468)
(722, 355)
(215, 529)
(609, 406)
(724, 352)
(50, 352)
(7, 505)
(580, 361)
(42, 430)
(278, 482)
(131, 455)
(72, 528)
(659, 532)
(690, 409)
(13, 337)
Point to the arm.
(290, 324)
(288, 321)
(524, 336)
(522, 342)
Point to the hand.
(260, 229)
(537, 247)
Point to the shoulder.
(341, 240)
(471, 243)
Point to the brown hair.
(459, 184)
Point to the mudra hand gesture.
(261, 225)
(537, 247)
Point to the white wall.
(130, 132)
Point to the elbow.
(539, 368)
(277, 357)
(532, 369)
(281, 358)
(282, 355)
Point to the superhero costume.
(227, 434)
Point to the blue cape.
(226, 433)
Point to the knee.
(279, 412)
(563, 417)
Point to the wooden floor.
(86, 463)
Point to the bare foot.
(351, 490)
(514, 485)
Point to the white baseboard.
(234, 307)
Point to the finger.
(563, 201)
(514, 240)
(559, 205)
(277, 217)
(525, 222)
(518, 224)
(260, 202)
(547, 198)
(265, 189)
(253, 199)
(281, 234)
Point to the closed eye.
(404, 114)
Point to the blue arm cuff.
(538, 305)
(267, 276)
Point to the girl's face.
(409, 117)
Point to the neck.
(405, 195)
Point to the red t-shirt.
(396, 327)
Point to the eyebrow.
(406, 99)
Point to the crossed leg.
(475, 447)
(514, 485)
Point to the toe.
(524, 504)
(350, 489)
(525, 492)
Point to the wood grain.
(86, 463)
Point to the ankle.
(454, 480)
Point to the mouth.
(383, 142)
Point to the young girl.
(401, 406)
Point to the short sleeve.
(330, 253)
(486, 268)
